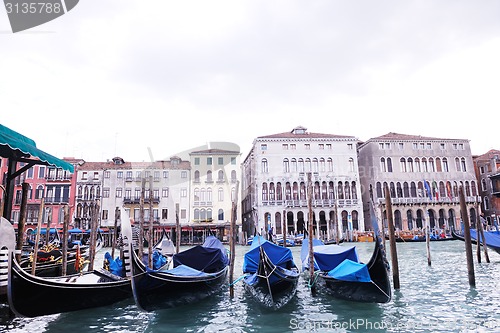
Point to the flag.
(77, 258)
(435, 190)
(448, 188)
(428, 189)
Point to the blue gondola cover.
(349, 270)
(280, 256)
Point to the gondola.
(340, 274)
(32, 296)
(52, 265)
(271, 276)
(492, 238)
(197, 273)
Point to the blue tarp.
(76, 231)
(304, 250)
(206, 259)
(280, 256)
(492, 237)
(183, 270)
(327, 257)
(115, 265)
(349, 270)
(43, 231)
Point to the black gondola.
(197, 273)
(492, 238)
(32, 296)
(271, 274)
(340, 274)
(376, 289)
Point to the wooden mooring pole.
(310, 230)
(392, 238)
(427, 236)
(468, 243)
(232, 240)
(22, 220)
(480, 235)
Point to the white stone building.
(275, 174)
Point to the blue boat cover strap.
(349, 270)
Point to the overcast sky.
(127, 77)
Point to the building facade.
(275, 184)
(487, 167)
(423, 174)
(215, 175)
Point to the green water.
(434, 298)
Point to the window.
(119, 174)
(104, 214)
(196, 161)
(183, 192)
(137, 194)
(220, 160)
(209, 176)
(381, 146)
(307, 146)
(41, 172)
(105, 192)
(164, 213)
(429, 146)
(351, 165)
(184, 174)
(164, 192)
(84, 175)
(285, 146)
(209, 161)
(128, 193)
(233, 160)
(220, 176)
(321, 146)
(118, 192)
(264, 166)
(220, 194)
(286, 165)
(330, 164)
(442, 146)
(401, 146)
(107, 174)
(138, 175)
(463, 165)
(96, 175)
(329, 146)
(263, 147)
(157, 176)
(129, 175)
(293, 146)
(30, 173)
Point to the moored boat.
(271, 276)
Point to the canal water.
(434, 298)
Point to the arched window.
(220, 176)
(197, 176)
(308, 165)
(294, 165)
(220, 215)
(432, 167)
(322, 165)
(271, 192)
(463, 165)
(445, 165)
(438, 165)
(315, 165)
(264, 192)
(424, 165)
(279, 192)
(417, 165)
(209, 176)
(389, 164)
(286, 165)
(196, 195)
(220, 194)
(330, 164)
(383, 167)
(402, 163)
(354, 194)
(301, 165)
(264, 166)
(410, 164)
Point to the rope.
(237, 280)
(309, 284)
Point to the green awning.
(14, 145)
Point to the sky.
(146, 80)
